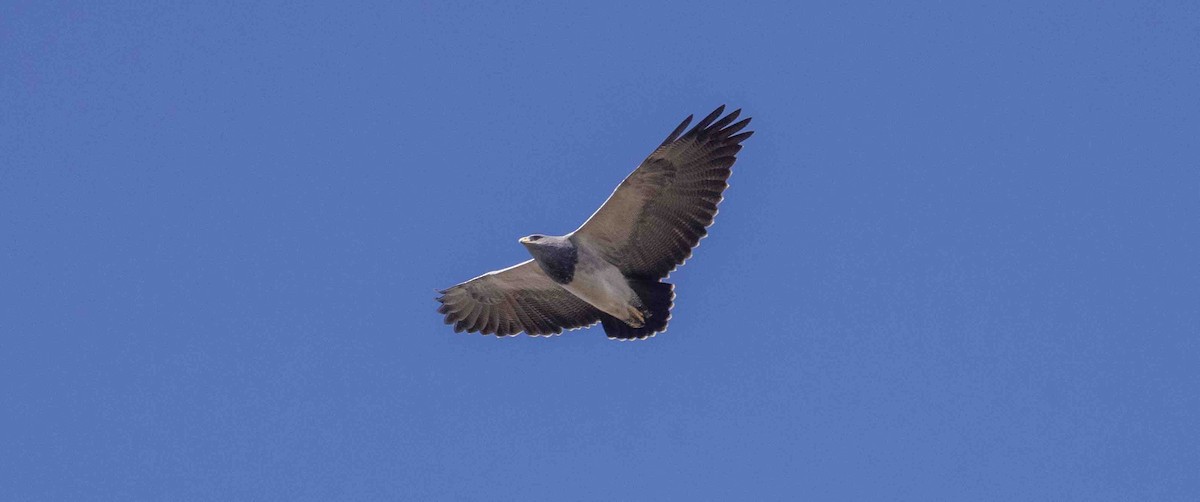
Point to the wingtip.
(678, 130)
(719, 125)
(708, 120)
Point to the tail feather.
(657, 298)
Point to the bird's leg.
(635, 318)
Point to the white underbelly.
(603, 286)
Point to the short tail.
(657, 298)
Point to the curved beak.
(523, 240)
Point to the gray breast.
(557, 259)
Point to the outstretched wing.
(651, 222)
(518, 298)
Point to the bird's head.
(539, 244)
(531, 239)
(555, 254)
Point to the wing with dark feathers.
(651, 222)
(519, 298)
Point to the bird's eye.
(534, 237)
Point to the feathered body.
(609, 270)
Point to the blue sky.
(958, 260)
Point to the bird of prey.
(610, 270)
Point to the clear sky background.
(958, 260)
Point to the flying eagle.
(610, 269)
